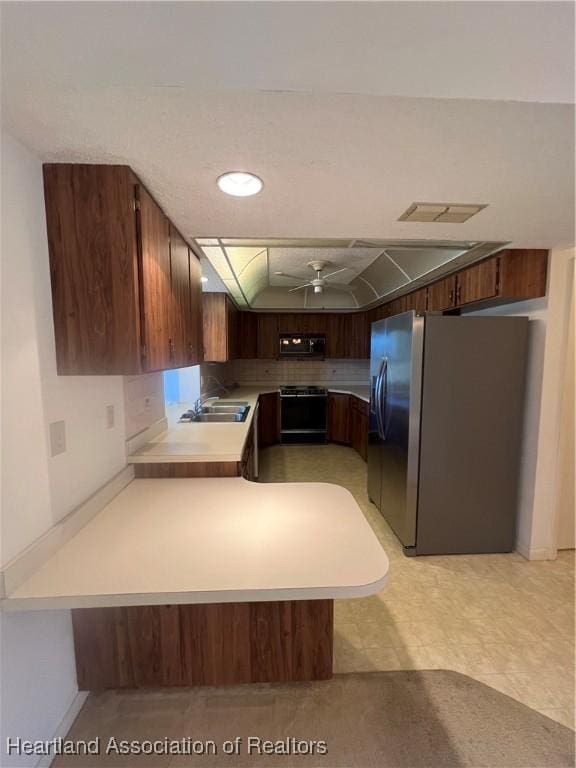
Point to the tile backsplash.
(300, 371)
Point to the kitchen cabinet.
(269, 419)
(442, 294)
(417, 300)
(339, 418)
(220, 327)
(359, 426)
(247, 341)
(478, 282)
(186, 293)
(247, 463)
(523, 273)
(302, 322)
(267, 336)
(347, 335)
(156, 299)
(125, 297)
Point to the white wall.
(143, 402)
(539, 473)
(38, 676)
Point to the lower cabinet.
(348, 422)
(359, 426)
(269, 419)
(247, 465)
(339, 418)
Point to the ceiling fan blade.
(344, 269)
(285, 274)
(299, 287)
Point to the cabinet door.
(93, 268)
(339, 419)
(442, 295)
(215, 324)
(358, 342)
(247, 335)
(267, 336)
(269, 419)
(334, 338)
(417, 300)
(359, 427)
(477, 283)
(196, 354)
(231, 329)
(155, 288)
(182, 330)
(523, 273)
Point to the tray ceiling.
(373, 270)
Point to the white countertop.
(215, 442)
(212, 540)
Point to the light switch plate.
(110, 416)
(57, 438)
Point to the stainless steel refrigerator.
(446, 405)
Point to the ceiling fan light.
(317, 289)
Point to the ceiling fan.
(320, 281)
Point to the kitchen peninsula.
(208, 581)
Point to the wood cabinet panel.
(417, 300)
(523, 273)
(359, 427)
(211, 644)
(247, 335)
(442, 295)
(268, 340)
(187, 469)
(181, 326)
(156, 294)
(218, 330)
(339, 418)
(93, 268)
(477, 283)
(196, 353)
(269, 419)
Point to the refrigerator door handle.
(382, 400)
(378, 398)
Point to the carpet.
(413, 719)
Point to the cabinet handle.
(458, 294)
(451, 297)
(171, 347)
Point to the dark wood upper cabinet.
(155, 286)
(247, 335)
(442, 295)
(417, 300)
(268, 339)
(477, 283)
(220, 329)
(182, 332)
(124, 299)
(523, 273)
(93, 268)
(196, 322)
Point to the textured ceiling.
(349, 112)
(371, 273)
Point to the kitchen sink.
(230, 412)
(216, 417)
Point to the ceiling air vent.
(453, 213)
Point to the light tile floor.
(497, 618)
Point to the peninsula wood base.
(216, 644)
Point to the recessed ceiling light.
(239, 183)
(203, 279)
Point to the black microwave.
(302, 345)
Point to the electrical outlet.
(57, 438)
(147, 403)
(110, 416)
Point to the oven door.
(303, 419)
